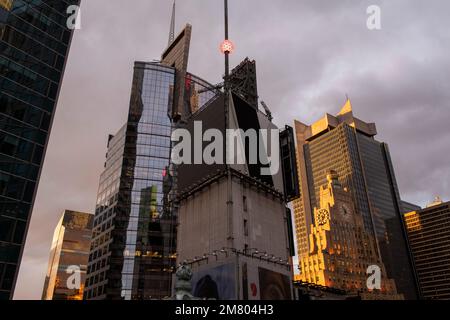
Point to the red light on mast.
(227, 47)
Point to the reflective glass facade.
(70, 249)
(133, 249)
(34, 44)
(386, 208)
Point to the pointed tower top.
(172, 24)
(347, 108)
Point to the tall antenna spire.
(172, 25)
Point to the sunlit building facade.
(341, 250)
(429, 237)
(68, 257)
(34, 45)
(347, 145)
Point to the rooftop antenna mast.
(226, 48)
(172, 25)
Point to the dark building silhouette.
(34, 45)
(428, 232)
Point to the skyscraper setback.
(347, 145)
(34, 45)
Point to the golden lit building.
(348, 145)
(340, 249)
(429, 238)
(69, 255)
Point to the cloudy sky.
(309, 53)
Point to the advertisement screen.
(274, 285)
(215, 283)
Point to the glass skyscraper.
(133, 252)
(68, 255)
(133, 249)
(34, 44)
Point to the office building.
(233, 222)
(428, 232)
(347, 145)
(341, 250)
(69, 254)
(133, 251)
(34, 45)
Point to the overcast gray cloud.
(309, 53)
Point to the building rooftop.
(437, 201)
(329, 122)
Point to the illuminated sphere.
(227, 46)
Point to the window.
(245, 228)
(6, 229)
(244, 201)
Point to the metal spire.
(230, 233)
(172, 25)
(227, 54)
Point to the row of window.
(27, 96)
(14, 209)
(23, 22)
(11, 230)
(7, 272)
(25, 113)
(33, 48)
(38, 17)
(9, 253)
(95, 292)
(27, 78)
(50, 72)
(16, 188)
(21, 149)
(95, 267)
